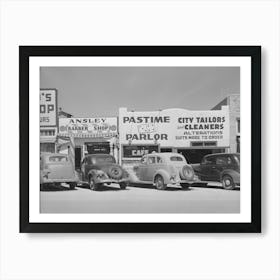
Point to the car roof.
(222, 154)
(97, 155)
(166, 154)
(53, 154)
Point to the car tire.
(73, 186)
(123, 185)
(115, 172)
(92, 184)
(159, 183)
(228, 183)
(187, 173)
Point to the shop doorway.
(98, 147)
(78, 157)
(166, 150)
(196, 155)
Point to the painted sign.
(88, 127)
(48, 107)
(136, 151)
(174, 127)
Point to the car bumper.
(50, 181)
(179, 182)
(109, 181)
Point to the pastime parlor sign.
(174, 127)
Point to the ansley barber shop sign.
(88, 127)
(174, 127)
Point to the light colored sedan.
(164, 170)
(55, 169)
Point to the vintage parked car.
(222, 167)
(99, 169)
(55, 169)
(164, 170)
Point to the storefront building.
(191, 133)
(90, 136)
(233, 102)
(48, 120)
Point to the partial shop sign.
(136, 151)
(88, 127)
(174, 127)
(48, 107)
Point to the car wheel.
(115, 172)
(228, 183)
(187, 173)
(123, 185)
(159, 182)
(73, 186)
(92, 185)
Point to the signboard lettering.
(48, 108)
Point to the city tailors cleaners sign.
(88, 127)
(174, 127)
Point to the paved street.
(140, 199)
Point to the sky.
(100, 91)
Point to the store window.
(47, 132)
(47, 147)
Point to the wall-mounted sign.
(98, 147)
(88, 127)
(174, 127)
(136, 151)
(48, 107)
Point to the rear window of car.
(176, 158)
(58, 159)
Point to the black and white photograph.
(135, 135)
(140, 139)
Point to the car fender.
(164, 174)
(234, 175)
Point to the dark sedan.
(99, 169)
(224, 168)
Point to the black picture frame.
(25, 52)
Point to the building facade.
(90, 136)
(233, 103)
(191, 133)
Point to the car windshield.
(102, 159)
(176, 158)
(54, 159)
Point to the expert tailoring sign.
(48, 107)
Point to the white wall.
(138, 256)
